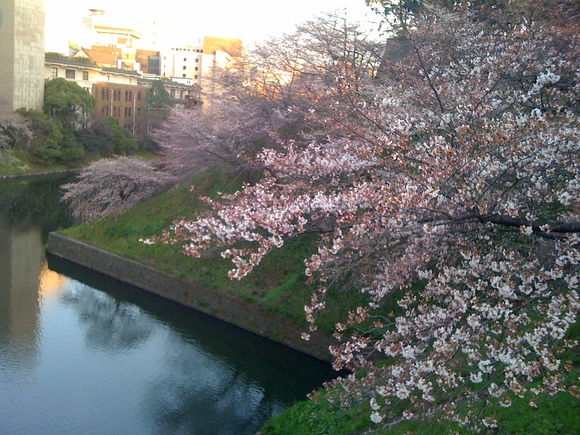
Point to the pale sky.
(248, 20)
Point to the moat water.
(83, 354)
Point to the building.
(231, 46)
(120, 93)
(109, 34)
(149, 61)
(22, 54)
(182, 62)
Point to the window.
(195, 76)
(185, 59)
(196, 60)
(139, 96)
(173, 93)
(181, 95)
(54, 72)
(183, 76)
(184, 67)
(85, 75)
(196, 68)
(70, 74)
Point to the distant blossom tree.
(263, 96)
(110, 186)
(450, 183)
(14, 130)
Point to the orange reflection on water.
(51, 283)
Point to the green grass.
(17, 163)
(277, 284)
(558, 414)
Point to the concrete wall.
(22, 54)
(216, 304)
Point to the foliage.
(70, 150)
(46, 144)
(51, 143)
(458, 167)
(321, 416)
(121, 141)
(159, 102)
(109, 186)
(67, 103)
(318, 417)
(278, 285)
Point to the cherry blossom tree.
(264, 95)
(14, 129)
(450, 184)
(228, 134)
(110, 186)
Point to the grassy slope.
(279, 284)
(18, 163)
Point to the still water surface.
(83, 354)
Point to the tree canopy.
(67, 103)
(446, 190)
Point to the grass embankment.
(279, 285)
(18, 163)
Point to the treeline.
(65, 131)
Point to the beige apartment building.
(119, 93)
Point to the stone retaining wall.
(225, 307)
(37, 174)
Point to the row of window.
(184, 59)
(130, 127)
(182, 94)
(116, 111)
(198, 50)
(117, 94)
(68, 73)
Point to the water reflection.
(27, 211)
(203, 394)
(108, 324)
(20, 261)
(209, 377)
(81, 353)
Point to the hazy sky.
(249, 20)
